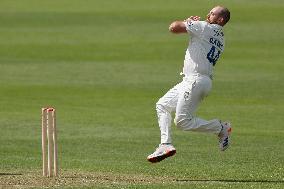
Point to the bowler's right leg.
(165, 106)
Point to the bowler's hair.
(225, 13)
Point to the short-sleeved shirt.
(205, 47)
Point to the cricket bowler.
(206, 44)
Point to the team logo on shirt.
(189, 23)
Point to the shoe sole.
(223, 148)
(228, 139)
(162, 157)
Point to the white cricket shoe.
(162, 152)
(224, 136)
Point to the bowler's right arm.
(179, 26)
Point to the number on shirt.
(213, 56)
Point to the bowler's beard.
(211, 22)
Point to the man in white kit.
(205, 47)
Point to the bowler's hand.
(193, 18)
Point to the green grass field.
(104, 64)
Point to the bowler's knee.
(160, 108)
(184, 121)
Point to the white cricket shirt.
(205, 47)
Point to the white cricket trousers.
(183, 99)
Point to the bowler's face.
(213, 15)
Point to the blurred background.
(104, 64)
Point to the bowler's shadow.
(232, 180)
(10, 174)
